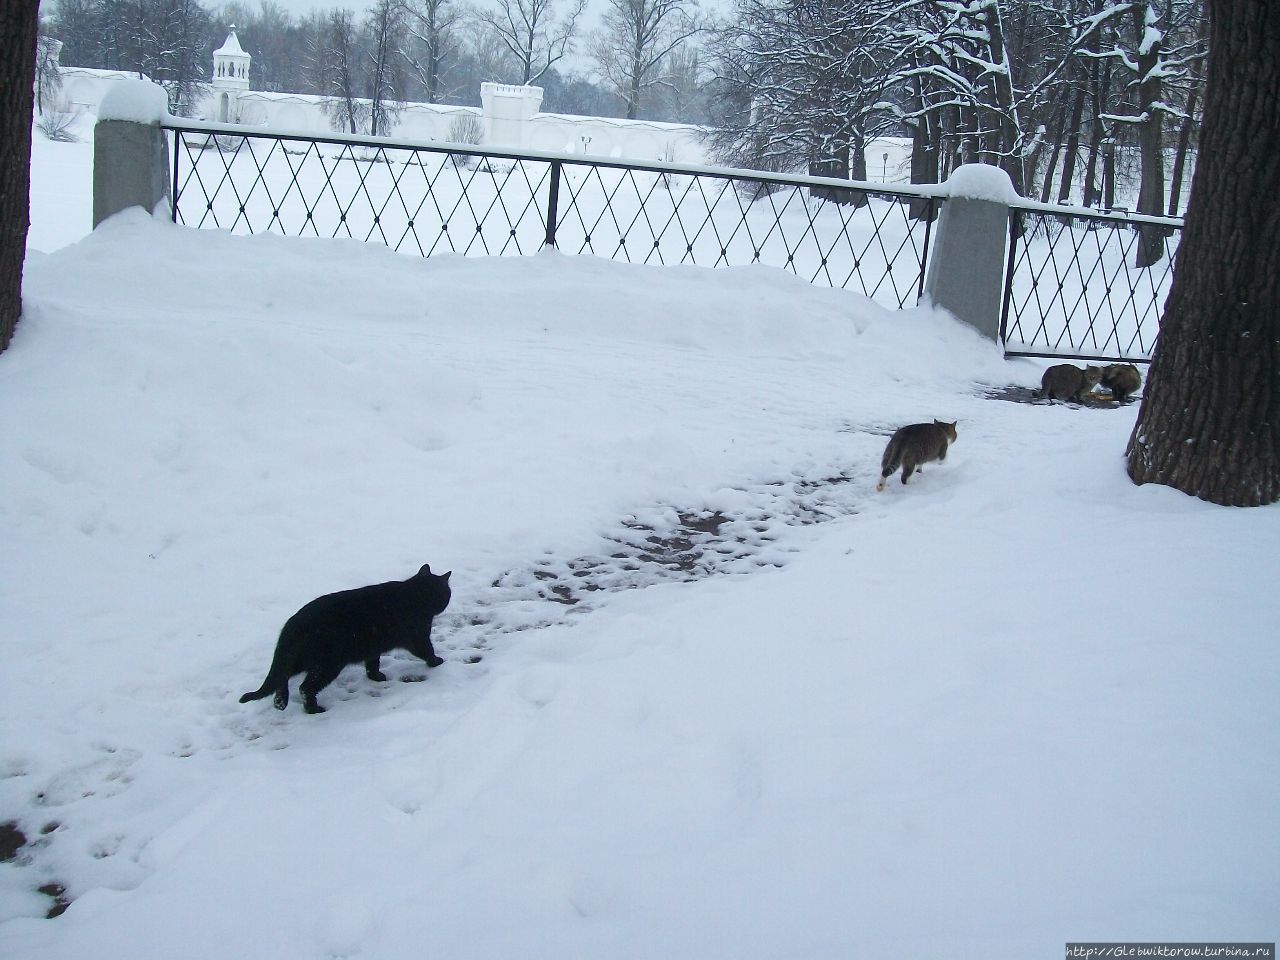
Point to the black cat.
(354, 626)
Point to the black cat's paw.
(313, 708)
(376, 675)
(434, 661)
(280, 701)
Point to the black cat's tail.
(268, 687)
(277, 682)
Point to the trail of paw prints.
(51, 805)
(666, 544)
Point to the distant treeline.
(432, 51)
(1092, 101)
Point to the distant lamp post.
(884, 170)
(585, 142)
(1108, 172)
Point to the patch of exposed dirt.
(58, 894)
(12, 839)
(1095, 400)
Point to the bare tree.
(54, 116)
(276, 42)
(803, 83)
(178, 55)
(48, 76)
(1016, 83)
(638, 38)
(1155, 50)
(682, 97)
(165, 40)
(483, 54)
(1187, 128)
(78, 25)
(1209, 424)
(532, 33)
(432, 42)
(337, 65)
(384, 39)
(19, 21)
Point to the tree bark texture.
(1209, 424)
(18, 19)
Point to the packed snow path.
(659, 545)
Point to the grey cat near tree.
(1066, 381)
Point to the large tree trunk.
(1209, 424)
(18, 20)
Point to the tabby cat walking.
(913, 445)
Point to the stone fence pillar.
(966, 265)
(130, 150)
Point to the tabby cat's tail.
(891, 460)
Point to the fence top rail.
(1087, 213)
(911, 191)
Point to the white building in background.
(230, 79)
(509, 117)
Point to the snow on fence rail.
(1070, 289)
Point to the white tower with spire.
(230, 78)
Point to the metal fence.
(1071, 289)
(433, 198)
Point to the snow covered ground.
(706, 694)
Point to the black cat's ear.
(447, 574)
(425, 570)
